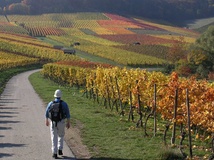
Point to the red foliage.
(211, 76)
(116, 17)
(185, 71)
(132, 21)
(116, 23)
(20, 35)
(131, 38)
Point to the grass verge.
(107, 135)
(84, 55)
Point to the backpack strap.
(60, 110)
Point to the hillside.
(129, 94)
(168, 10)
(106, 35)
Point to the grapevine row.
(9, 60)
(103, 49)
(107, 83)
(34, 50)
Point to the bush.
(170, 154)
(202, 71)
(168, 68)
(184, 71)
(211, 76)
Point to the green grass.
(84, 55)
(50, 41)
(5, 75)
(107, 135)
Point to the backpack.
(55, 112)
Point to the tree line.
(170, 10)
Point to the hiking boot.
(60, 152)
(54, 156)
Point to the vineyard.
(102, 34)
(31, 47)
(183, 104)
(118, 84)
(140, 95)
(8, 60)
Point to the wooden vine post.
(91, 90)
(188, 123)
(212, 143)
(183, 134)
(140, 121)
(155, 120)
(114, 101)
(131, 116)
(119, 96)
(165, 131)
(108, 95)
(174, 117)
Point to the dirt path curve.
(23, 134)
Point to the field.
(111, 135)
(109, 36)
(129, 98)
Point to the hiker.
(57, 117)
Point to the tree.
(205, 43)
(178, 50)
(26, 2)
(196, 57)
(201, 55)
(18, 8)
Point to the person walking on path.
(23, 135)
(57, 116)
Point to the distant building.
(136, 43)
(77, 43)
(68, 51)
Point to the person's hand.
(68, 125)
(47, 122)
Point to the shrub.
(202, 71)
(170, 154)
(211, 76)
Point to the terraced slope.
(128, 41)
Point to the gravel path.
(23, 134)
